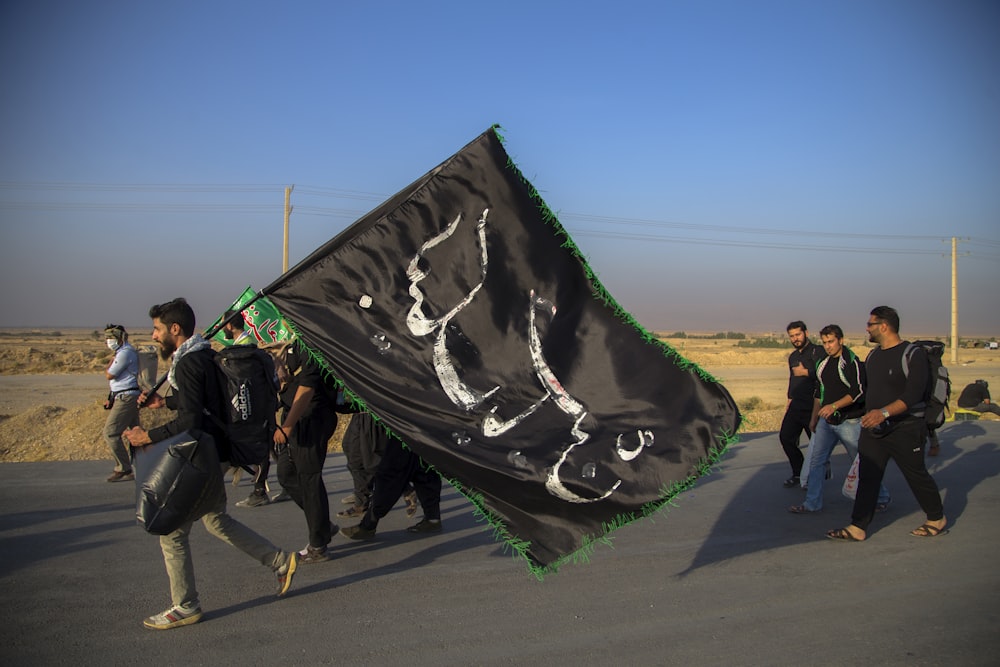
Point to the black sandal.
(927, 530)
(842, 534)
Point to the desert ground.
(52, 387)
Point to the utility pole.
(288, 213)
(954, 300)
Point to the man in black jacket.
(197, 398)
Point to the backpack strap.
(907, 353)
(918, 409)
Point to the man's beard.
(228, 334)
(167, 347)
(799, 344)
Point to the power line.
(343, 194)
(135, 187)
(982, 258)
(750, 244)
(151, 208)
(738, 230)
(335, 212)
(340, 193)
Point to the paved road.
(728, 577)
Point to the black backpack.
(938, 390)
(250, 399)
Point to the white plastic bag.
(807, 463)
(850, 488)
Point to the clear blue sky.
(723, 165)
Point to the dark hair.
(797, 324)
(887, 315)
(237, 318)
(832, 330)
(175, 312)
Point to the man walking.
(801, 386)
(308, 420)
(893, 427)
(196, 389)
(363, 444)
(837, 411)
(399, 467)
(235, 330)
(123, 380)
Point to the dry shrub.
(739, 357)
(762, 421)
(54, 433)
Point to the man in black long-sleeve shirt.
(893, 427)
(801, 387)
(195, 383)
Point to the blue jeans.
(824, 440)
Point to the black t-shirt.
(305, 372)
(318, 421)
(887, 381)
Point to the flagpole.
(288, 213)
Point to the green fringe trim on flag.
(667, 499)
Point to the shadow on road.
(755, 519)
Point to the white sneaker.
(174, 617)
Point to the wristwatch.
(885, 414)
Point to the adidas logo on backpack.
(248, 382)
(242, 404)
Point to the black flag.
(461, 314)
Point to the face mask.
(112, 344)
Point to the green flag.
(261, 318)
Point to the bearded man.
(197, 396)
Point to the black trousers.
(364, 444)
(300, 472)
(260, 479)
(904, 445)
(794, 422)
(398, 468)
